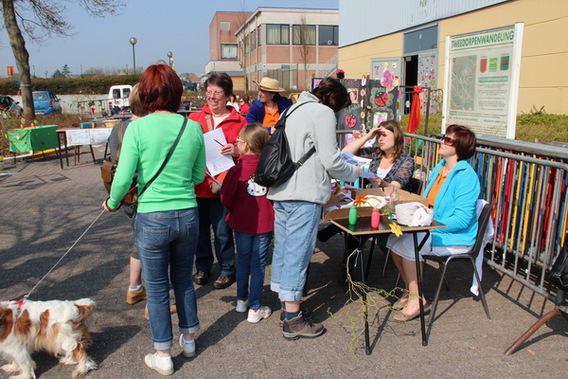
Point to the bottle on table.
(353, 215)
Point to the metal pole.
(133, 41)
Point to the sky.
(179, 26)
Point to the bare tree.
(305, 37)
(244, 44)
(34, 17)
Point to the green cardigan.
(146, 143)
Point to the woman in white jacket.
(298, 202)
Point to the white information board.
(482, 80)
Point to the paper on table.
(216, 162)
(368, 175)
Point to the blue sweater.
(256, 111)
(455, 205)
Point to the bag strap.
(310, 152)
(288, 112)
(165, 160)
(120, 136)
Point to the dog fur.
(57, 327)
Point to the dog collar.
(20, 304)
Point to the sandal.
(401, 317)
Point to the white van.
(118, 97)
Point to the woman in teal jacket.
(452, 192)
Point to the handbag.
(559, 271)
(132, 196)
(108, 170)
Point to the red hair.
(160, 89)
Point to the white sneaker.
(259, 314)
(188, 348)
(163, 366)
(242, 306)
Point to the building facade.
(411, 35)
(223, 46)
(291, 45)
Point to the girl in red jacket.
(251, 217)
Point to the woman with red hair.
(166, 225)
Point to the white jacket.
(313, 124)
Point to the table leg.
(92, 154)
(59, 148)
(417, 248)
(360, 260)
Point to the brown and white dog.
(57, 327)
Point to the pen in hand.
(218, 142)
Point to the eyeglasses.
(448, 140)
(240, 140)
(214, 93)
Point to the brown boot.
(301, 327)
(134, 297)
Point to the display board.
(482, 80)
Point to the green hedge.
(71, 86)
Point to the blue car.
(46, 102)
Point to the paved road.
(45, 209)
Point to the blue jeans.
(212, 214)
(295, 230)
(252, 250)
(167, 240)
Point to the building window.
(229, 51)
(329, 35)
(259, 36)
(304, 34)
(252, 40)
(277, 34)
(225, 26)
(420, 40)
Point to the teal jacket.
(146, 143)
(455, 205)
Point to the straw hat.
(270, 85)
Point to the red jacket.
(231, 127)
(249, 209)
(244, 108)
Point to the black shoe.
(201, 277)
(327, 232)
(224, 281)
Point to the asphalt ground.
(44, 210)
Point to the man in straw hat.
(269, 105)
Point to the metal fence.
(97, 107)
(526, 186)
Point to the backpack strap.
(288, 112)
(310, 152)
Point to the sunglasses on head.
(448, 140)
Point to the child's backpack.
(275, 165)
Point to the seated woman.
(392, 167)
(452, 192)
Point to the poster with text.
(482, 80)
